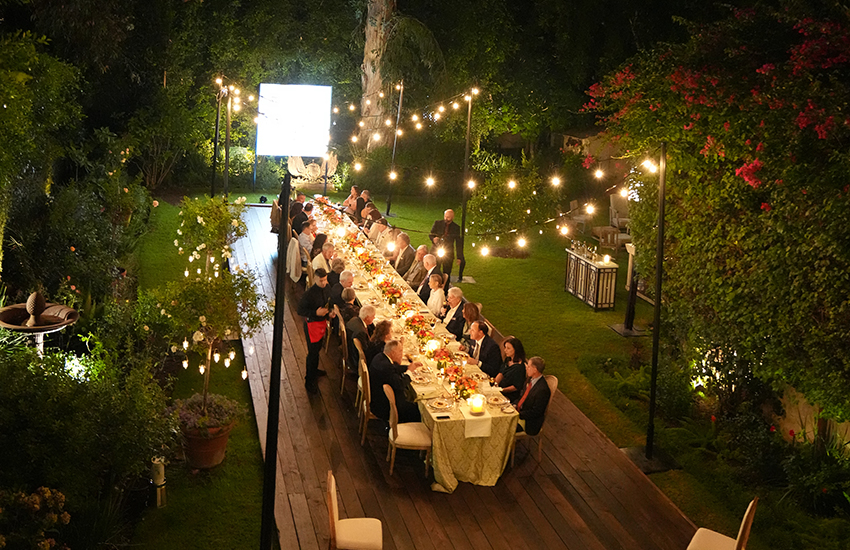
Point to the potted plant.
(211, 305)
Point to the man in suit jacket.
(386, 368)
(360, 204)
(431, 267)
(405, 254)
(445, 235)
(360, 328)
(323, 260)
(417, 269)
(532, 405)
(484, 351)
(346, 280)
(453, 316)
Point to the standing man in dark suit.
(431, 267)
(484, 351)
(386, 368)
(532, 405)
(313, 307)
(445, 234)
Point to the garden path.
(584, 494)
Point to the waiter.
(445, 235)
(314, 307)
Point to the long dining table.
(471, 436)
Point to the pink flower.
(727, 126)
(73, 287)
(73, 249)
(588, 161)
(766, 68)
(155, 204)
(760, 147)
(689, 125)
(765, 206)
(772, 429)
(748, 172)
(69, 277)
(791, 433)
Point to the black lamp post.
(400, 88)
(219, 95)
(467, 186)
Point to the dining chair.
(409, 435)
(365, 405)
(351, 533)
(361, 366)
(706, 539)
(552, 382)
(330, 327)
(309, 268)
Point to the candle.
(476, 404)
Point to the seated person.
(535, 398)
(308, 209)
(297, 216)
(337, 267)
(306, 239)
(511, 377)
(417, 270)
(346, 280)
(453, 317)
(360, 328)
(318, 243)
(483, 350)
(386, 368)
(431, 267)
(360, 204)
(350, 202)
(471, 313)
(323, 260)
(377, 228)
(437, 298)
(383, 334)
(349, 307)
(403, 255)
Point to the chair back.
(367, 389)
(333, 507)
(362, 360)
(388, 391)
(552, 382)
(309, 268)
(746, 525)
(445, 279)
(343, 335)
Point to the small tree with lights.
(213, 302)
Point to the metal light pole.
(267, 525)
(227, 144)
(656, 327)
(465, 187)
(219, 95)
(395, 142)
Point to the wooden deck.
(585, 494)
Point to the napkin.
(476, 426)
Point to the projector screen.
(294, 120)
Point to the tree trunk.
(379, 14)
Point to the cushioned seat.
(706, 538)
(359, 534)
(413, 434)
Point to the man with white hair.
(417, 269)
(386, 368)
(323, 260)
(453, 318)
(346, 280)
(360, 328)
(431, 267)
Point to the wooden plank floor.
(584, 494)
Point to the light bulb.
(368, 102)
(398, 86)
(418, 125)
(521, 242)
(376, 136)
(485, 251)
(467, 97)
(414, 118)
(511, 184)
(441, 109)
(590, 209)
(231, 87)
(455, 105)
(216, 356)
(353, 139)
(649, 165)
(244, 375)
(350, 106)
(361, 124)
(380, 94)
(624, 192)
(564, 230)
(237, 107)
(202, 369)
(237, 91)
(556, 181)
(232, 354)
(429, 182)
(599, 173)
(390, 247)
(398, 132)
(441, 252)
(185, 343)
(474, 91)
(218, 81)
(185, 363)
(393, 175)
(226, 362)
(470, 184)
(358, 166)
(606, 258)
(256, 120)
(388, 122)
(436, 116)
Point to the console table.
(591, 281)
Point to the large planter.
(206, 450)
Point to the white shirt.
(451, 313)
(477, 351)
(436, 300)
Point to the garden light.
(556, 181)
(471, 184)
(429, 182)
(388, 122)
(590, 209)
(232, 354)
(216, 356)
(393, 176)
(485, 250)
(512, 184)
(376, 136)
(358, 166)
(564, 230)
(244, 374)
(649, 165)
(624, 192)
(353, 139)
(185, 343)
(202, 369)
(351, 106)
(226, 362)
(599, 173)
(521, 242)
(185, 363)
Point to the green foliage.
(757, 254)
(80, 424)
(218, 411)
(819, 475)
(31, 520)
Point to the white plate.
(497, 400)
(440, 404)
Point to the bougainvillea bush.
(754, 111)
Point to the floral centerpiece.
(328, 210)
(405, 306)
(369, 263)
(453, 372)
(390, 292)
(464, 387)
(443, 357)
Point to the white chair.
(577, 216)
(365, 404)
(352, 533)
(706, 539)
(308, 269)
(552, 381)
(409, 435)
(361, 366)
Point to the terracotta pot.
(205, 451)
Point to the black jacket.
(490, 357)
(455, 324)
(449, 236)
(534, 408)
(384, 371)
(313, 299)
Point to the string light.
(398, 132)
(418, 125)
(429, 182)
(471, 184)
(368, 102)
(216, 356)
(398, 86)
(511, 184)
(393, 176)
(485, 251)
(226, 362)
(218, 81)
(521, 242)
(336, 109)
(455, 105)
(361, 124)
(649, 165)
(185, 343)
(590, 209)
(624, 192)
(599, 174)
(388, 122)
(436, 116)
(467, 97)
(474, 91)
(414, 118)
(185, 363)
(380, 94)
(358, 166)
(256, 120)
(244, 374)
(353, 139)
(376, 136)
(556, 181)
(441, 109)
(202, 369)
(351, 106)
(564, 230)
(251, 98)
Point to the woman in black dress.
(511, 377)
(383, 334)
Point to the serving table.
(467, 448)
(591, 280)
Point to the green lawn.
(220, 508)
